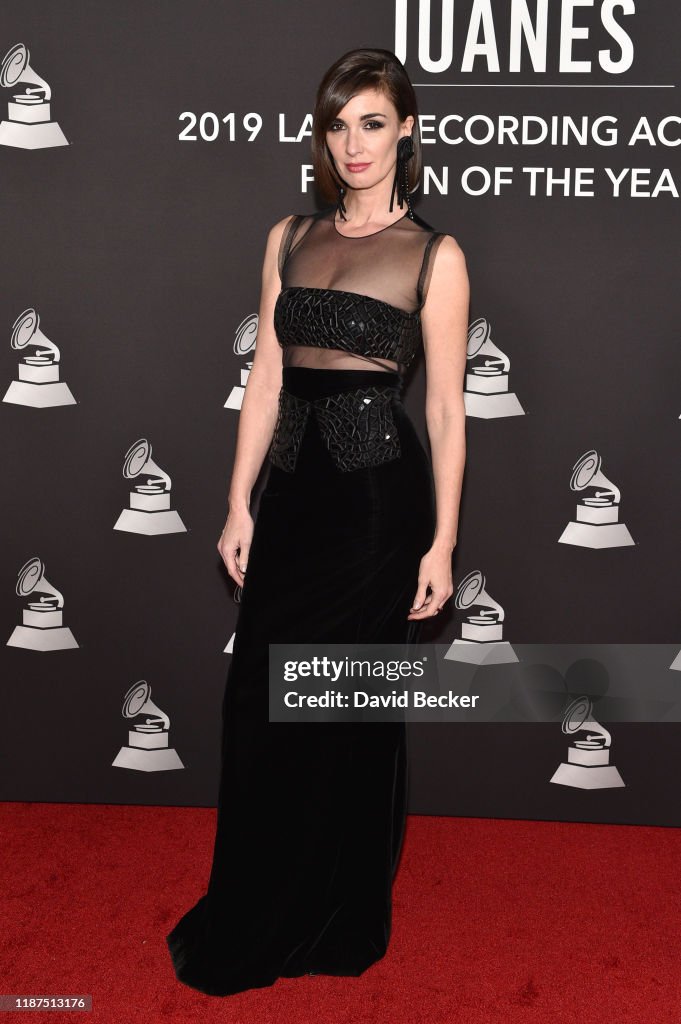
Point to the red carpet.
(494, 921)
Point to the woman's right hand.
(235, 543)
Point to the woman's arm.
(445, 340)
(444, 320)
(259, 407)
(257, 418)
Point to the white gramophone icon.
(588, 764)
(596, 524)
(29, 125)
(150, 512)
(147, 749)
(38, 383)
(42, 627)
(244, 342)
(486, 391)
(481, 639)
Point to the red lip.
(356, 167)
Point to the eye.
(372, 125)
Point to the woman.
(353, 543)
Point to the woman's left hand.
(435, 571)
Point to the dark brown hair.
(354, 71)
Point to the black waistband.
(313, 382)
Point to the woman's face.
(362, 139)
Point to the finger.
(420, 597)
(423, 612)
(242, 557)
(232, 565)
(432, 605)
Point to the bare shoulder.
(276, 232)
(449, 285)
(450, 255)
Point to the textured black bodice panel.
(345, 295)
(346, 321)
(357, 427)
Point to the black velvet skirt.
(311, 815)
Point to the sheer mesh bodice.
(345, 299)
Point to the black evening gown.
(311, 815)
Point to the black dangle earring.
(405, 151)
(340, 206)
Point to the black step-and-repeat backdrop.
(145, 151)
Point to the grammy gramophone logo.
(588, 764)
(244, 342)
(149, 512)
(596, 523)
(148, 748)
(42, 627)
(481, 640)
(28, 124)
(37, 382)
(486, 392)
